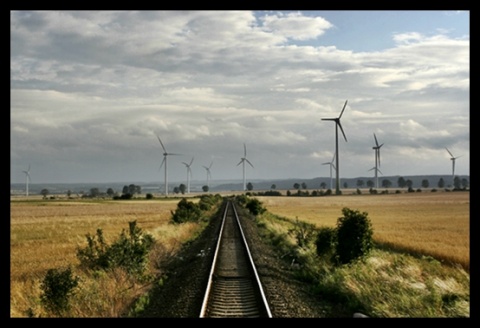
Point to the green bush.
(186, 211)
(255, 206)
(326, 241)
(129, 251)
(57, 287)
(303, 232)
(354, 236)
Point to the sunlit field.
(45, 234)
(429, 223)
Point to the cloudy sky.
(91, 91)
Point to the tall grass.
(387, 284)
(46, 235)
(434, 224)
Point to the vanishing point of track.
(234, 289)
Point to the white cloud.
(213, 80)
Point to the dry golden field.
(430, 223)
(46, 234)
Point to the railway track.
(234, 289)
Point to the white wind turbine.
(27, 179)
(242, 161)
(331, 166)
(165, 154)
(337, 125)
(377, 159)
(189, 173)
(453, 158)
(209, 175)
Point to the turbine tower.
(331, 166)
(27, 179)
(189, 173)
(337, 125)
(165, 154)
(208, 172)
(453, 158)
(242, 161)
(377, 159)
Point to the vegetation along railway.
(234, 288)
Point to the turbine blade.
(449, 152)
(164, 159)
(380, 171)
(245, 150)
(161, 143)
(343, 109)
(191, 162)
(241, 161)
(340, 125)
(249, 162)
(376, 142)
(211, 164)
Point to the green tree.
(274, 186)
(425, 183)
(323, 185)
(401, 182)
(370, 184)
(110, 192)
(360, 183)
(249, 186)
(386, 183)
(354, 236)
(44, 192)
(296, 185)
(205, 188)
(441, 183)
(182, 188)
(304, 185)
(409, 183)
(94, 192)
(456, 182)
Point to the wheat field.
(429, 223)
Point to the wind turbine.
(453, 158)
(242, 161)
(209, 175)
(337, 125)
(27, 179)
(377, 158)
(331, 166)
(189, 173)
(165, 154)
